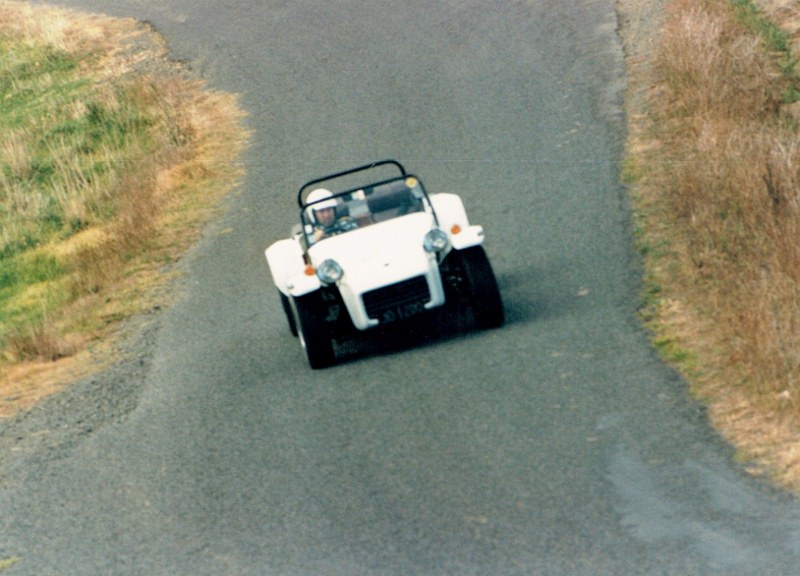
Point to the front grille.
(406, 292)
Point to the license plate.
(402, 312)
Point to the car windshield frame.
(365, 206)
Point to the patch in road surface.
(656, 512)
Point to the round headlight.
(435, 241)
(330, 272)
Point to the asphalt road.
(557, 445)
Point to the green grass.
(112, 158)
(775, 40)
(69, 142)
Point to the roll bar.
(363, 168)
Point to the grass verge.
(111, 159)
(714, 169)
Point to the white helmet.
(318, 198)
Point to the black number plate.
(402, 312)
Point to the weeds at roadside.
(111, 158)
(723, 197)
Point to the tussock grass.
(717, 180)
(111, 157)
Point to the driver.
(323, 214)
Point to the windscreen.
(360, 208)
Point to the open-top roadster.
(377, 253)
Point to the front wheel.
(287, 308)
(482, 291)
(315, 336)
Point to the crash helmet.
(317, 199)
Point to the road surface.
(559, 444)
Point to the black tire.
(313, 331)
(482, 291)
(287, 308)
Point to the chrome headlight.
(435, 240)
(330, 272)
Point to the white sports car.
(377, 253)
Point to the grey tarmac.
(559, 444)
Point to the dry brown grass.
(717, 183)
(160, 199)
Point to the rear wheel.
(315, 335)
(482, 291)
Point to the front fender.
(449, 210)
(467, 237)
(452, 216)
(302, 284)
(285, 261)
